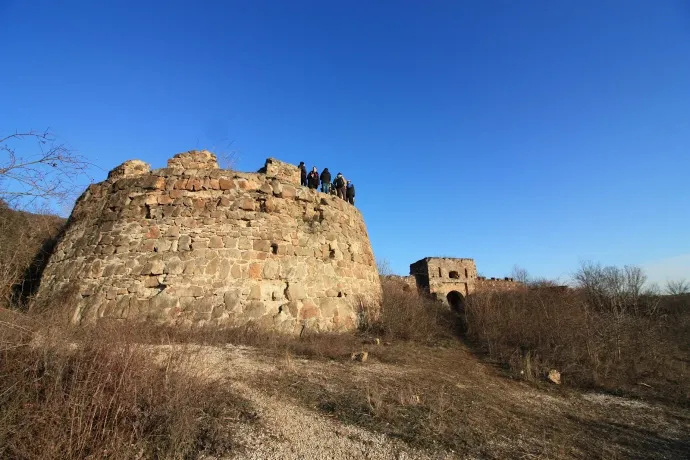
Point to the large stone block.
(295, 291)
(256, 309)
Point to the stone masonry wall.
(282, 171)
(440, 276)
(195, 244)
(498, 285)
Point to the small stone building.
(451, 280)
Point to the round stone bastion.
(194, 244)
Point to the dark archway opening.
(456, 301)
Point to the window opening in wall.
(440, 275)
(466, 273)
(274, 248)
(454, 275)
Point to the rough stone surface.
(130, 168)
(194, 159)
(554, 376)
(452, 279)
(194, 244)
(284, 172)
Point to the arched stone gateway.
(195, 244)
(456, 301)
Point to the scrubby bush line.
(96, 394)
(607, 332)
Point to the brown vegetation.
(111, 390)
(26, 240)
(74, 394)
(427, 389)
(607, 333)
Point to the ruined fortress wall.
(441, 275)
(195, 244)
(497, 285)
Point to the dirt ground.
(412, 402)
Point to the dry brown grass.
(427, 388)
(103, 392)
(26, 241)
(74, 394)
(441, 399)
(642, 354)
(409, 317)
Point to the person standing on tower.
(313, 178)
(340, 185)
(302, 174)
(350, 192)
(326, 181)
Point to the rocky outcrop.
(195, 244)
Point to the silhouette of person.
(302, 174)
(326, 181)
(313, 178)
(350, 192)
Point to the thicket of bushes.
(26, 240)
(78, 393)
(607, 332)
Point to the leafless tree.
(678, 287)
(45, 171)
(384, 267)
(618, 290)
(520, 274)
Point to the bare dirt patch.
(412, 401)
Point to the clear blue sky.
(538, 133)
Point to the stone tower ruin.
(195, 244)
(451, 280)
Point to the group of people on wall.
(339, 187)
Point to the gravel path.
(287, 428)
(289, 431)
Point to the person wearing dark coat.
(313, 179)
(326, 181)
(302, 174)
(339, 184)
(350, 192)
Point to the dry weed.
(97, 394)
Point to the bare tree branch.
(520, 274)
(678, 287)
(49, 171)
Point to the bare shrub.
(384, 267)
(95, 395)
(608, 334)
(616, 290)
(520, 274)
(26, 241)
(405, 315)
(677, 287)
